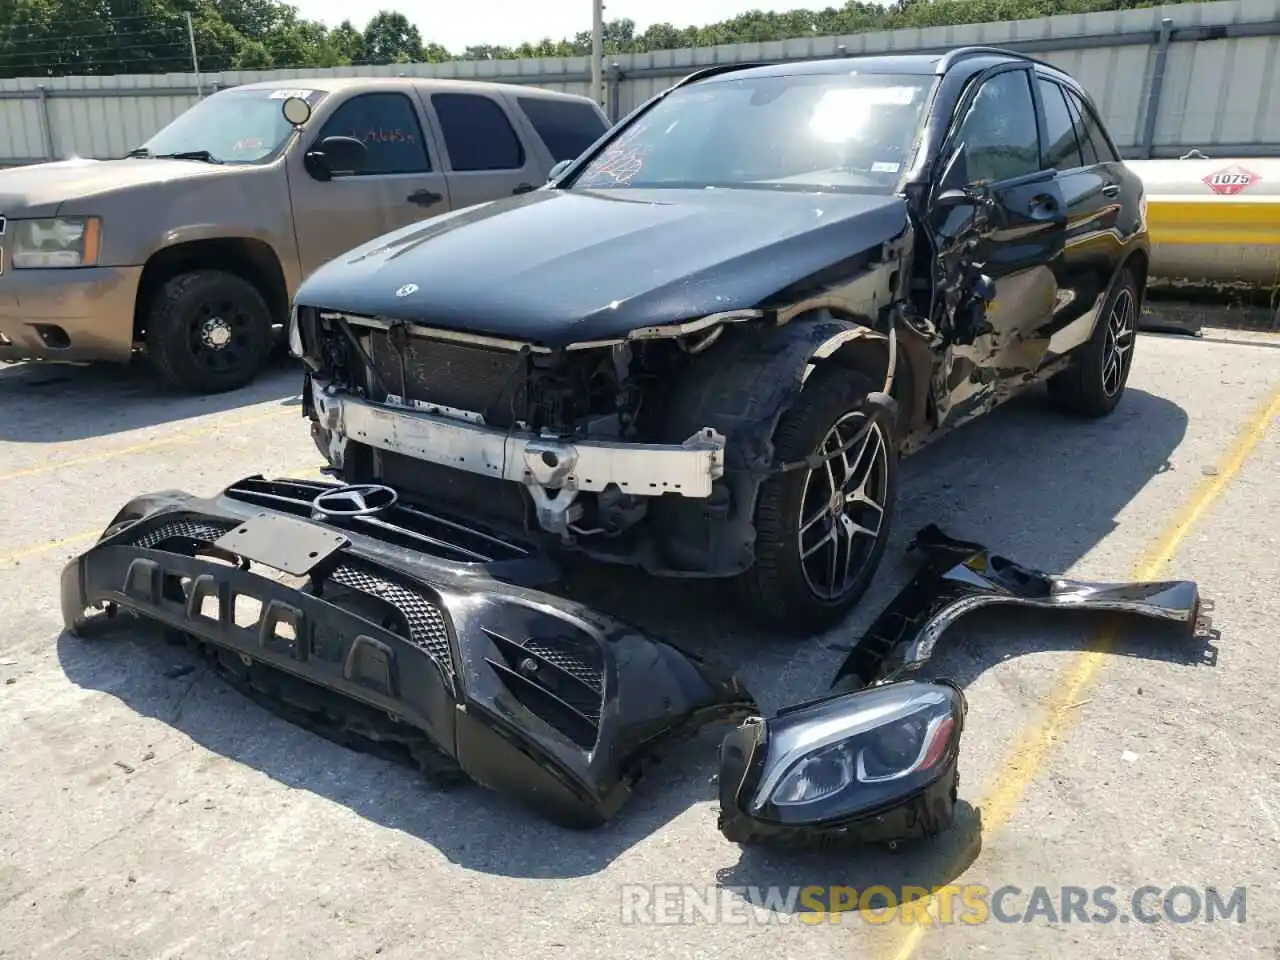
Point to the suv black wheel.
(1095, 381)
(821, 532)
(208, 331)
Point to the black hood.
(558, 267)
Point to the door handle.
(524, 188)
(424, 198)
(1111, 190)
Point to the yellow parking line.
(31, 551)
(181, 437)
(1026, 758)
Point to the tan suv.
(191, 247)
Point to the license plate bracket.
(291, 545)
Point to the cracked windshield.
(846, 132)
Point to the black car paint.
(957, 577)
(527, 693)
(564, 267)
(585, 282)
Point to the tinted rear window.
(477, 133)
(566, 127)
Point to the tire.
(187, 321)
(1091, 386)
(782, 585)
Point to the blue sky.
(461, 23)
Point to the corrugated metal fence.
(1166, 79)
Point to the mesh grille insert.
(204, 530)
(427, 627)
(553, 681)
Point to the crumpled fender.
(742, 392)
(959, 577)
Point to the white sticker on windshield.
(881, 166)
(286, 94)
(898, 96)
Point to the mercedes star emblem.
(361, 500)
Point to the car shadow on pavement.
(1032, 485)
(55, 403)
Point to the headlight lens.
(295, 333)
(55, 242)
(858, 753)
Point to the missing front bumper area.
(517, 689)
(554, 471)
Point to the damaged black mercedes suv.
(703, 345)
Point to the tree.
(391, 38)
(348, 42)
(59, 37)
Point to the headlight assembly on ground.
(878, 765)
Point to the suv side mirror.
(559, 169)
(947, 199)
(335, 155)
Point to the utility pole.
(597, 52)
(195, 60)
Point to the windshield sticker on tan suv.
(286, 94)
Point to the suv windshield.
(837, 132)
(233, 126)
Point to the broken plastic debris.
(1129, 757)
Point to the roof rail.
(718, 69)
(952, 57)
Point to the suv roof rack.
(952, 57)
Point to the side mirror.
(296, 111)
(335, 155)
(951, 198)
(558, 170)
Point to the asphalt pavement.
(148, 811)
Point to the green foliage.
(60, 37)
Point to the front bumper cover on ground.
(411, 624)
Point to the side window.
(1093, 129)
(999, 132)
(565, 126)
(1062, 151)
(388, 125)
(477, 133)
(1087, 153)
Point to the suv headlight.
(55, 242)
(295, 333)
(878, 764)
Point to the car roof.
(967, 60)
(428, 84)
